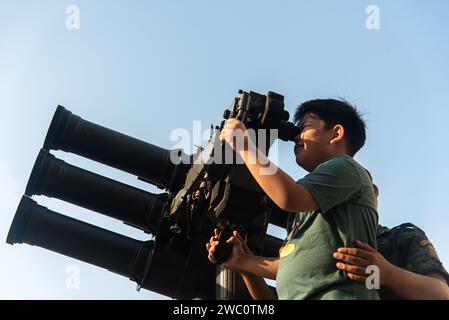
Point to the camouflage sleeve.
(422, 258)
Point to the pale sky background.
(145, 68)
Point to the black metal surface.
(53, 177)
(71, 133)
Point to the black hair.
(334, 112)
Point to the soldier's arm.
(415, 286)
(404, 283)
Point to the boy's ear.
(338, 134)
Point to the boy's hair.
(334, 112)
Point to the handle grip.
(223, 250)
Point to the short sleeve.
(423, 259)
(332, 182)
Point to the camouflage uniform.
(408, 247)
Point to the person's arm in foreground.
(256, 285)
(252, 268)
(278, 185)
(406, 284)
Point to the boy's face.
(312, 145)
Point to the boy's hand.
(234, 132)
(239, 251)
(355, 261)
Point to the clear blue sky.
(145, 68)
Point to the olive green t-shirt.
(343, 190)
